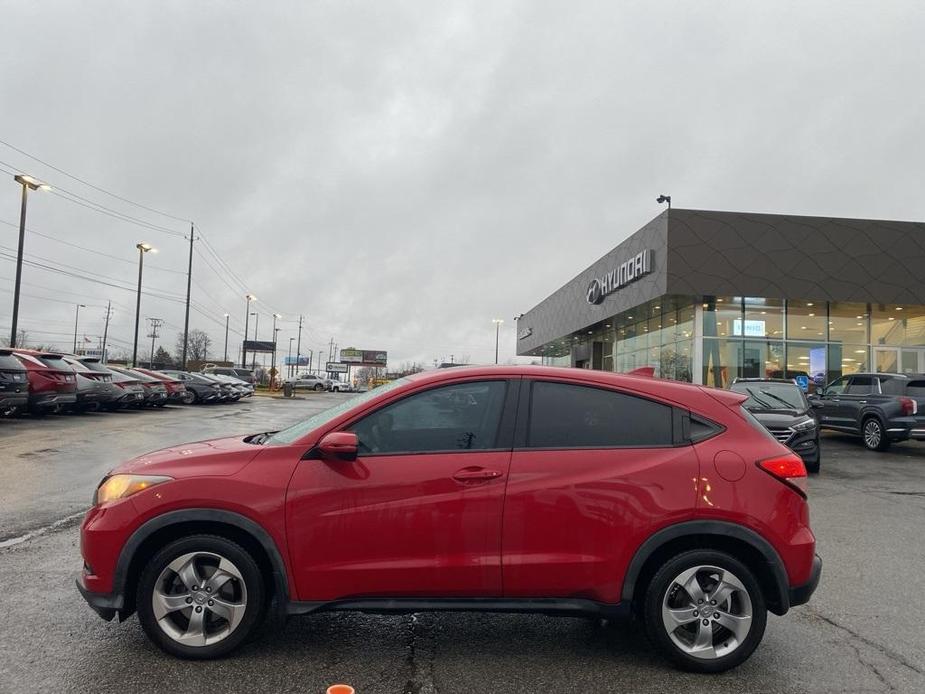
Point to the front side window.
(460, 417)
(571, 416)
(837, 387)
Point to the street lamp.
(142, 249)
(273, 365)
(76, 317)
(256, 315)
(497, 322)
(227, 316)
(28, 183)
(247, 315)
(289, 360)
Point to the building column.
(697, 345)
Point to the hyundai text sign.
(622, 275)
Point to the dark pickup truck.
(881, 408)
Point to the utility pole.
(155, 324)
(189, 285)
(298, 347)
(256, 325)
(330, 352)
(106, 332)
(76, 318)
(227, 317)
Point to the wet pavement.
(861, 632)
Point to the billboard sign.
(295, 361)
(363, 357)
(332, 367)
(259, 346)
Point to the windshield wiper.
(259, 439)
(790, 405)
(763, 403)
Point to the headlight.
(122, 486)
(805, 424)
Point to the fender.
(780, 602)
(200, 514)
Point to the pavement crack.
(883, 650)
(421, 659)
(870, 666)
(59, 524)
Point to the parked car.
(307, 382)
(154, 388)
(130, 393)
(881, 408)
(176, 390)
(199, 388)
(52, 383)
(600, 494)
(245, 375)
(14, 383)
(782, 407)
(238, 388)
(94, 390)
(336, 386)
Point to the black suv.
(14, 383)
(882, 408)
(781, 406)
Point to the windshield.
(771, 396)
(299, 430)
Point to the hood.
(217, 457)
(779, 418)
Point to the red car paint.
(175, 388)
(48, 385)
(511, 523)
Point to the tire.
(190, 397)
(813, 468)
(319, 387)
(667, 603)
(216, 632)
(873, 434)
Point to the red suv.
(505, 489)
(52, 381)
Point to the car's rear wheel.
(318, 386)
(190, 397)
(705, 611)
(874, 436)
(200, 597)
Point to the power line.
(90, 185)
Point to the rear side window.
(571, 416)
(916, 389)
(892, 386)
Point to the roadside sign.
(803, 382)
(332, 367)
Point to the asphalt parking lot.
(861, 632)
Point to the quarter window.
(570, 416)
(452, 418)
(860, 385)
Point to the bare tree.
(197, 346)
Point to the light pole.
(76, 318)
(227, 317)
(28, 183)
(142, 249)
(289, 360)
(247, 316)
(497, 322)
(273, 365)
(256, 315)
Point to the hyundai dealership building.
(710, 296)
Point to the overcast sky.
(403, 172)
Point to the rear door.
(594, 469)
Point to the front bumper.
(800, 595)
(106, 606)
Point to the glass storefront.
(751, 337)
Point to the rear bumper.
(800, 595)
(8, 400)
(51, 399)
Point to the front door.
(418, 514)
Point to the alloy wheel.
(199, 599)
(873, 433)
(707, 612)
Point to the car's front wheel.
(705, 610)
(319, 387)
(200, 597)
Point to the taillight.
(908, 406)
(788, 469)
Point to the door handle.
(862, 402)
(469, 474)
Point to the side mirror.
(817, 403)
(339, 445)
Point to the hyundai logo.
(595, 293)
